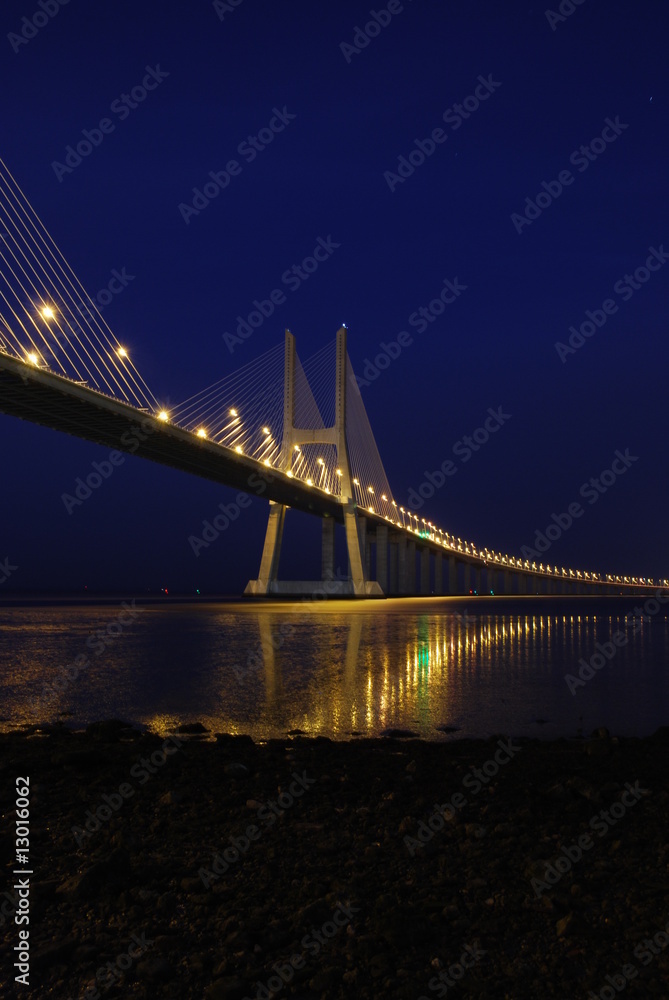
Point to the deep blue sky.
(324, 176)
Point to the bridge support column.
(382, 557)
(402, 564)
(438, 573)
(411, 566)
(393, 581)
(490, 578)
(467, 574)
(507, 582)
(452, 575)
(356, 530)
(328, 549)
(269, 563)
(425, 570)
(477, 579)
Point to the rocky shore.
(214, 868)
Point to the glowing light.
(233, 413)
(238, 449)
(201, 432)
(289, 474)
(32, 357)
(310, 482)
(370, 489)
(320, 461)
(48, 312)
(163, 415)
(266, 430)
(383, 496)
(371, 510)
(339, 472)
(122, 353)
(267, 461)
(297, 447)
(356, 482)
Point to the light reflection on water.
(337, 668)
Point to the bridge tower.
(357, 584)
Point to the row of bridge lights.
(428, 530)
(449, 541)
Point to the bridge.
(296, 434)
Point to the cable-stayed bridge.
(295, 433)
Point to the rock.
(111, 730)
(155, 968)
(235, 770)
(171, 798)
(228, 988)
(105, 874)
(191, 728)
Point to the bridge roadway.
(403, 562)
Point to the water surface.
(477, 665)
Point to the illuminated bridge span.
(296, 434)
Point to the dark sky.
(551, 90)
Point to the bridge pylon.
(357, 583)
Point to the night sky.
(531, 89)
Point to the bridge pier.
(393, 581)
(438, 573)
(402, 563)
(382, 557)
(425, 570)
(466, 573)
(328, 549)
(411, 567)
(452, 576)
